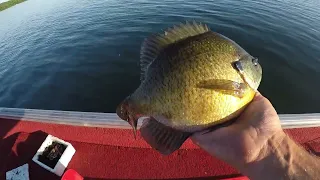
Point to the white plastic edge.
(64, 159)
(111, 120)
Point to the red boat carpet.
(114, 154)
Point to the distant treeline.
(10, 3)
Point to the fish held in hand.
(191, 79)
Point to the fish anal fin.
(162, 138)
(225, 86)
(153, 45)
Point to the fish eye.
(255, 61)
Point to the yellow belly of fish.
(205, 108)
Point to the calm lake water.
(83, 54)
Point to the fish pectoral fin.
(224, 86)
(162, 138)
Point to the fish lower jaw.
(252, 85)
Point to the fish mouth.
(237, 65)
(123, 111)
(249, 82)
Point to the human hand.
(244, 141)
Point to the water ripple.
(83, 55)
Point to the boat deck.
(113, 153)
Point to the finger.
(262, 101)
(198, 140)
(205, 135)
(258, 96)
(198, 137)
(219, 126)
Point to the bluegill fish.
(191, 79)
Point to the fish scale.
(168, 65)
(191, 79)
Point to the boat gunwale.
(111, 120)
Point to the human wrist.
(274, 147)
(282, 158)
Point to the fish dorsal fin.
(152, 46)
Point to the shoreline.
(10, 3)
